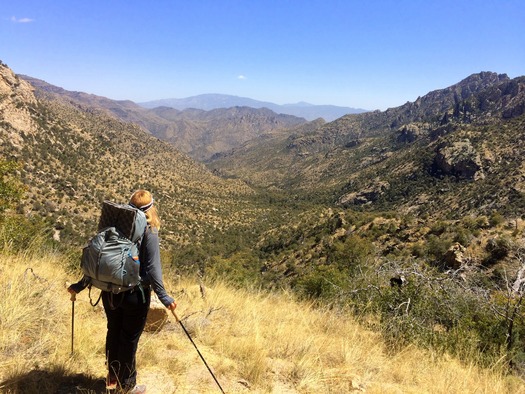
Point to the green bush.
(21, 234)
(325, 282)
(498, 249)
(438, 246)
(496, 219)
(11, 189)
(350, 253)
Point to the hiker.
(126, 312)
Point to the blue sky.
(364, 54)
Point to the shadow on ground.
(52, 382)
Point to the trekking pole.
(202, 358)
(73, 298)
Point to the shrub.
(11, 190)
(324, 283)
(438, 246)
(496, 219)
(498, 249)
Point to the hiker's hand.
(172, 306)
(73, 293)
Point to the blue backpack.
(110, 260)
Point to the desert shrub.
(496, 219)
(241, 268)
(350, 253)
(438, 246)
(189, 260)
(498, 249)
(21, 234)
(439, 228)
(11, 190)
(463, 236)
(324, 282)
(436, 312)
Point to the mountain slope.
(209, 102)
(73, 157)
(407, 157)
(435, 198)
(253, 342)
(203, 134)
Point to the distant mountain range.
(456, 150)
(199, 133)
(209, 102)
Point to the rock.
(365, 196)
(409, 133)
(157, 315)
(459, 159)
(455, 256)
(398, 281)
(15, 94)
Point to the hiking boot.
(111, 382)
(138, 389)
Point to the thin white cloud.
(242, 77)
(21, 20)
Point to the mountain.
(199, 133)
(74, 156)
(203, 134)
(452, 151)
(209, 102)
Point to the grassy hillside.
(253, 340)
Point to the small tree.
(509, 306)
(11, 189)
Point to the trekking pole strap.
(91, 301)
(195, 346)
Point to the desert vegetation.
(354, 255)
(254, 341)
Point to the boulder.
(365, 196)
(459, 159)
(455, 256)
(409, 133)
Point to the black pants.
(126, 313)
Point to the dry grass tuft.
(254, 342)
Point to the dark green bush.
(498, 249)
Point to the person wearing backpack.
(127, 311)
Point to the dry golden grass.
(254, 342)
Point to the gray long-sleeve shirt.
(150, 267)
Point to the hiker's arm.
(154, 269)
(79, 286)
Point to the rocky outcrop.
(15, 95)
(365, 196)
(410, 133)
(458, 159)
(455, 256)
